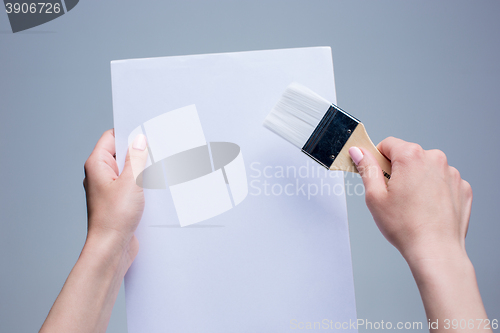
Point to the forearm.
(87, 298)
(450, 293)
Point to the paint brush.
(321, 129)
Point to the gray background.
(425, 71)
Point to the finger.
(389, 146)
(107, 142)
(105, 150)
(136, 159)
(371, 173)
(466, 191)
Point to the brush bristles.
(297, 114)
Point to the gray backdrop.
(423, 71)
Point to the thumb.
(370, 172)
(137, 156)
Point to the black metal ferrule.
(330, 136)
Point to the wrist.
(440, 266)
(448, 286)
(110, 251)
(438, 259)
(425, 254)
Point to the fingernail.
(139, 142)
(356, 154)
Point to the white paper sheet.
(274, 258)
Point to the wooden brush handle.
(359, 138)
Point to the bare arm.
(115, 204)
(424, 212)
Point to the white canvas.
(279, 256)
(237, 184)
(207, 197)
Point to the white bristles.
(297, 114)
